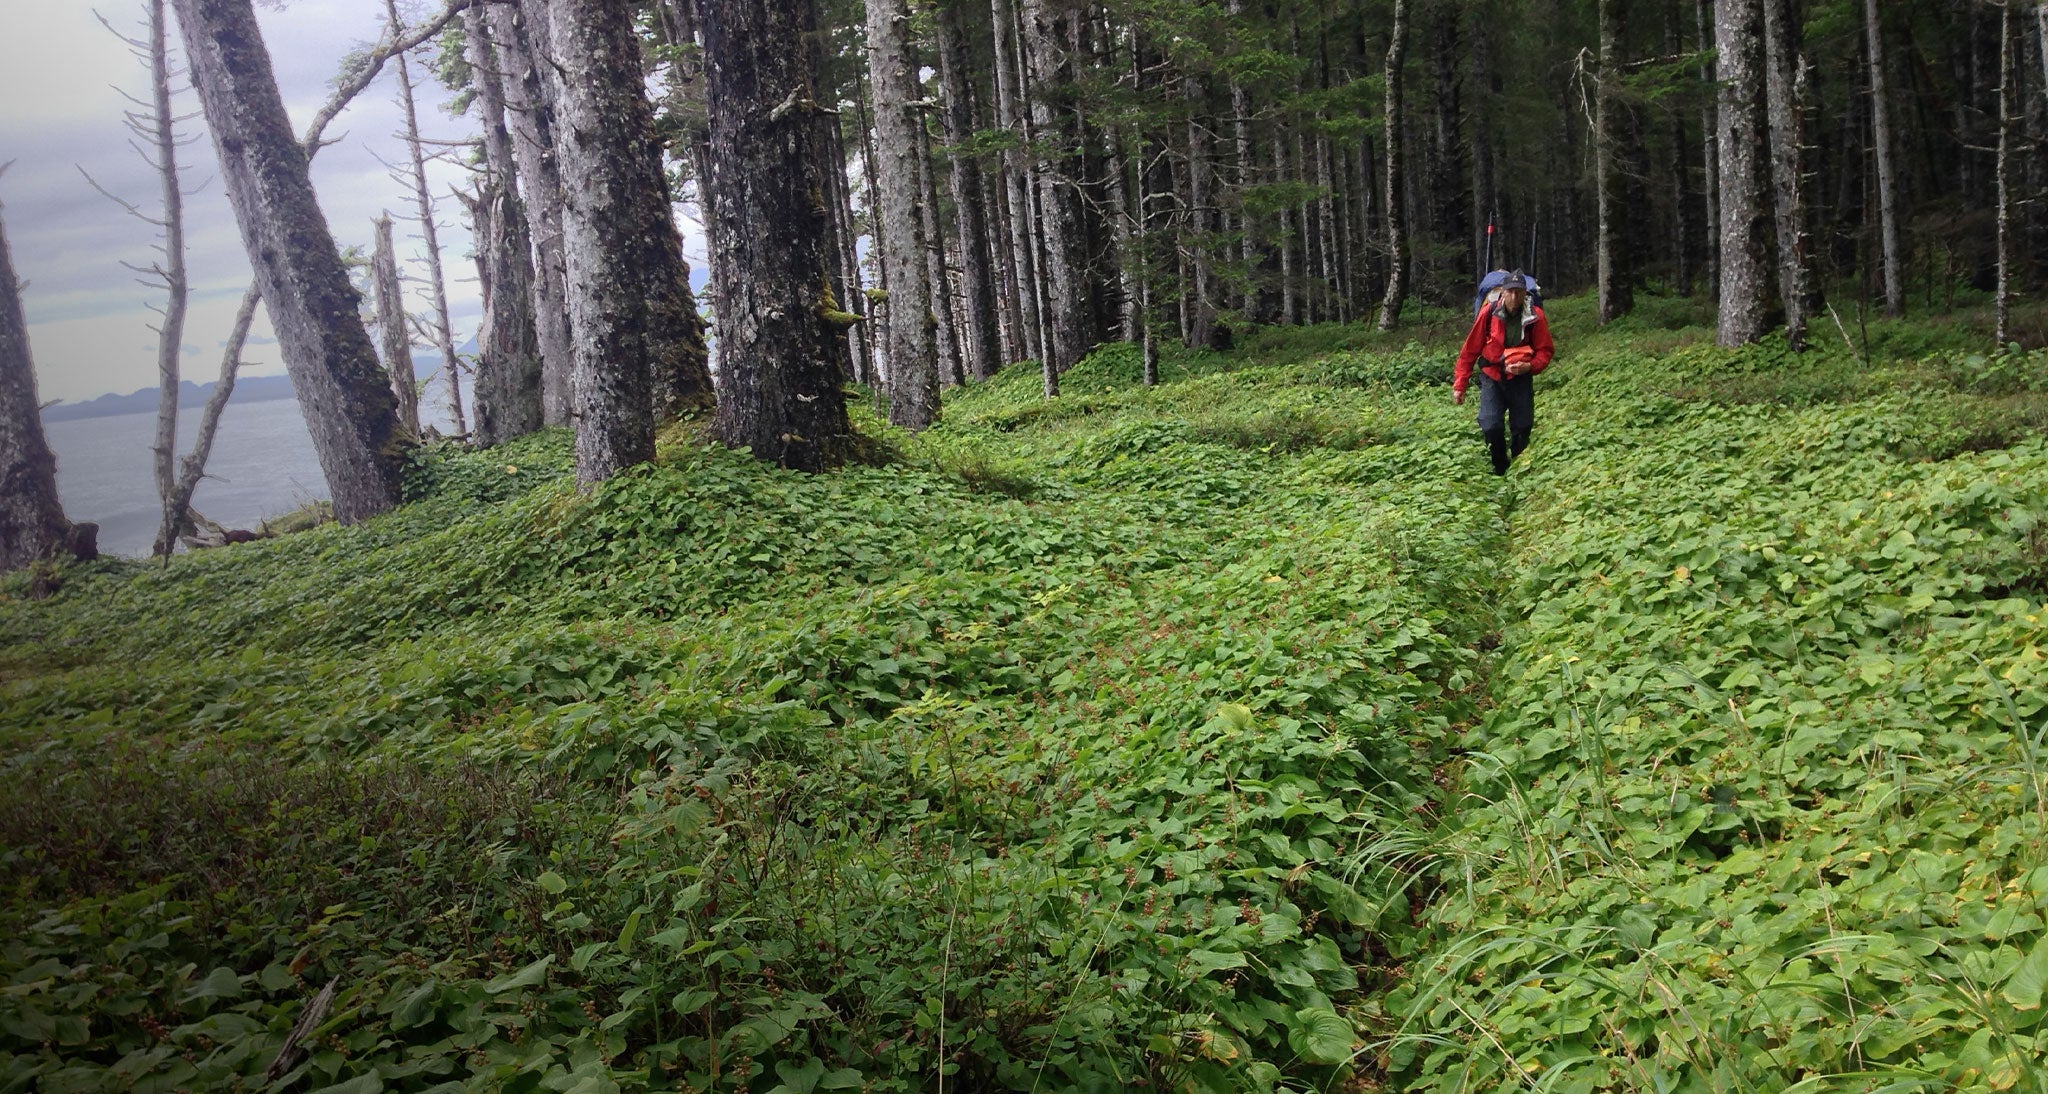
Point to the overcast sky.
(62, 75)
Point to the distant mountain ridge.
(248, 389)
(253, 389)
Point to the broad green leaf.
(552, 882)
(524, 978)
(416, 1007)
(1203, 962)
(2023, 989)
(801, 1080)
(1321, 1036)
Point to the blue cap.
(1515, 280)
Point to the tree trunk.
(611, 197)
(781, 395)
(32, 524)
(1681, 221)
(508, 381)
(1881, 143)
(1290, 232)
(443, 330)
(678, 352)
(1206, 328)
(1616, 295)
(160, 128)
(899, 198)
(848, 296)
(530, 117)
(938, 276)
(1785, 83)
(1744, 147)
(349, 408)
(2008, 93)
(193, 466)
(1243, 174)
(981, 337)
(1710, 149)
(1060, 224)
(1397, 218)
(508, 375)
(1009, 69)
(392, 329)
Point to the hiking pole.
(1489, 244)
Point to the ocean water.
(262, 466)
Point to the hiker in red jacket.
(1510, 341)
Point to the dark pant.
(1499, 402)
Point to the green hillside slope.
(1238, 734)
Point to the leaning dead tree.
(352, 82)
(351, 411)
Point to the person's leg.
(1521, 402)
(1493, 409)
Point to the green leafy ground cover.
(1239, 734)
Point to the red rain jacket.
(1485, 346)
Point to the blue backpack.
(1493, 281)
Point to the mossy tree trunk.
(777, 354)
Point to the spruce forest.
(1038, 617)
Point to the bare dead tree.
(393, 329)
(155, 128)
(441, 330)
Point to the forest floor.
(1241, 733)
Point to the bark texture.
(1046, 28)
(1784, 86)
(32, 524)
(780, 393)
(980, 335)
(1746, 228)
(349, 408)
(508, 378)
(899, 201)
(1018, 187)
(508, 368)
(529, 116)
(1887, 185)
(393, 327)
(161, 129)
(614, 207)
(1615, 290)
(1396, 203)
